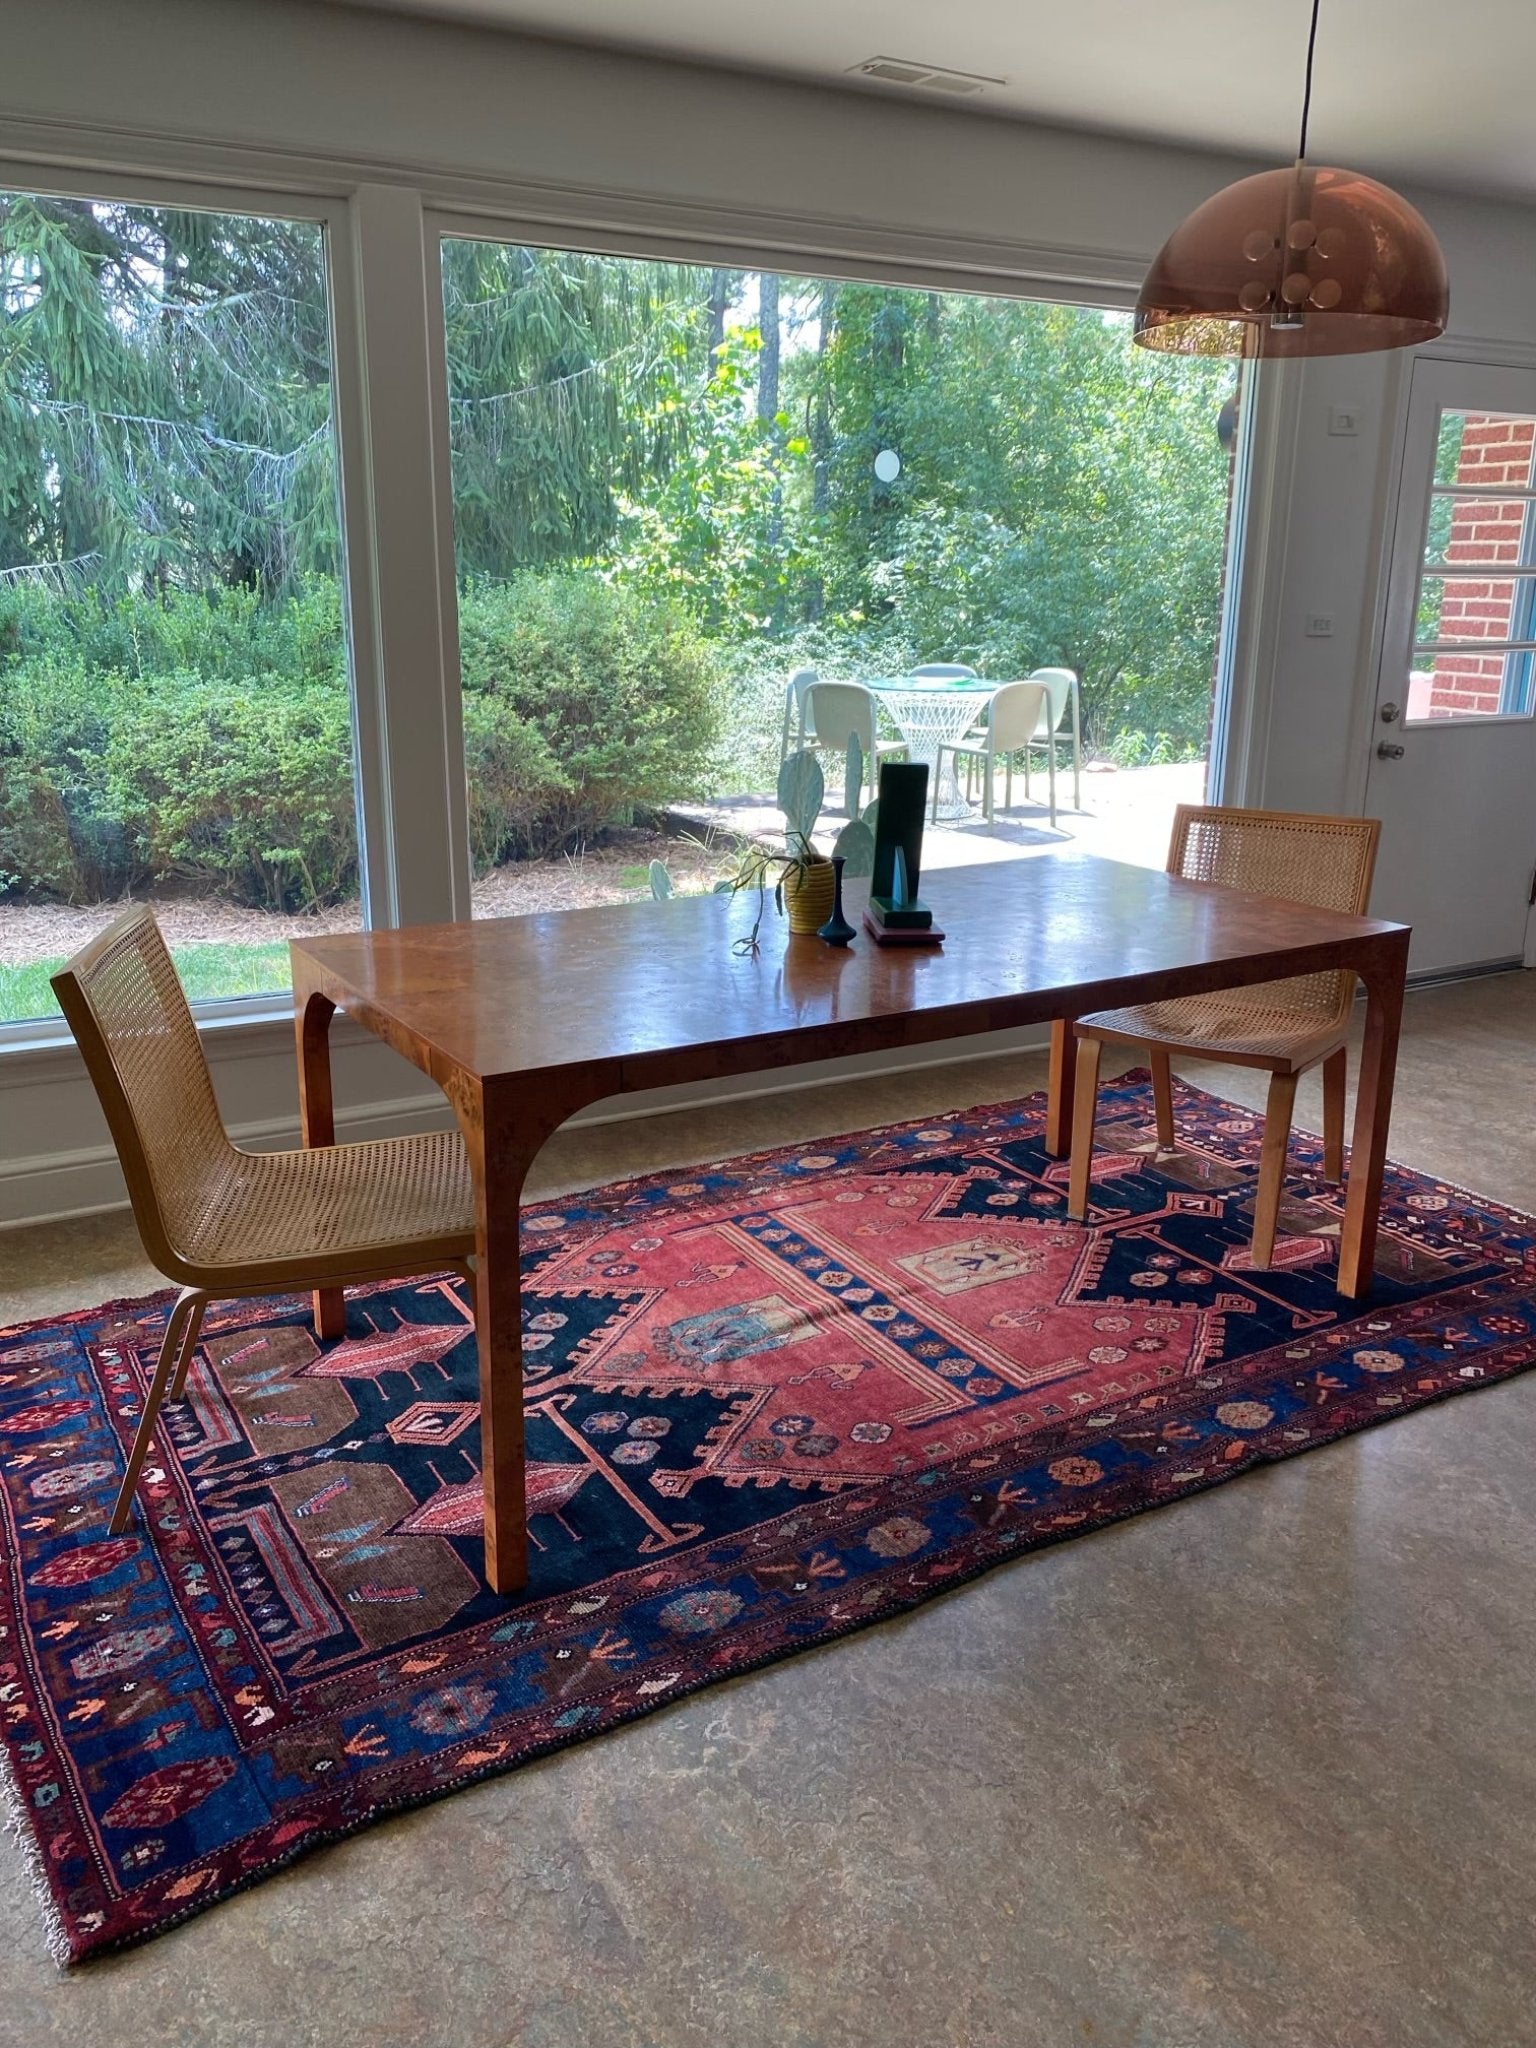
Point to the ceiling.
(1419, 89)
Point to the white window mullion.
(399, 563)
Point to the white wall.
(269, 93)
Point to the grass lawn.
(209, 973)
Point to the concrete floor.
(1257, 1771)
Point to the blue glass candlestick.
(837, 931)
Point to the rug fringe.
(18, 1827)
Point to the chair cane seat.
(1215, 1027)
(334, 1205)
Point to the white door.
(1453, 750)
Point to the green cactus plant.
(802, 791)
(853, 777)
(856, 844)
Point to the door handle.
(1390, 751)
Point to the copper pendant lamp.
(1306, 261)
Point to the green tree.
(164, 394)
(570, 381)
(1061, 499)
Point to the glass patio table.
(930, 712)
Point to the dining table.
(930, 713)
(524, 1021)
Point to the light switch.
(1319, 625)
(1343, 419)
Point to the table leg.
(317, 1121)
(1384, 983)
(1063, 1079)
(501, 1148)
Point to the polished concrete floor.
(1258, 1771)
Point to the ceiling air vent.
(923, 77)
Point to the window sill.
(45, 1048)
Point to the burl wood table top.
(650, 993)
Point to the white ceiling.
(1442, 92)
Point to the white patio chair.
(1013, 716)
(796, 717)
(835, 713)
(1061, 689)
(956, 671)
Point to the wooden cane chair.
(222, 1222)
(1282, 1027)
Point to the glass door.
(1453, 758)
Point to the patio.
(1126, 816)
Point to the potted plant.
(804, 889)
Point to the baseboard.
(52, 1186)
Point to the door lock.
(1390, 713)
(1387, 751)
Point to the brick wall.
(1494, 451)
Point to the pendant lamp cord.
(1306, 98)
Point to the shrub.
(206, 741)
(229, 633)
(109, 781)
(606, 700)
(240, 787)
(57, 836)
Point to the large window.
(676, 487)
(1475, 634)
(175, 713)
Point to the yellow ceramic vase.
(808, 896)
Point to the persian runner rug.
(769, 1402)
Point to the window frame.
(1103, 285)
(383, 226)
(1514, 683)
(388, 846)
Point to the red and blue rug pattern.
(768, 1402)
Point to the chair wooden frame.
(1282, 1028)
(212, 1217)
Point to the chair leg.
(1335, 1073)
(1277, 1134)
(938, 769)
(143, 1436)
(1052, 751)
(1008, 783)
(189, 1338)
(1085, 1107)
(1162, 1095)
(988, 772)
(1077, 750)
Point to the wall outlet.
(1343, 419)
(1319, 625)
